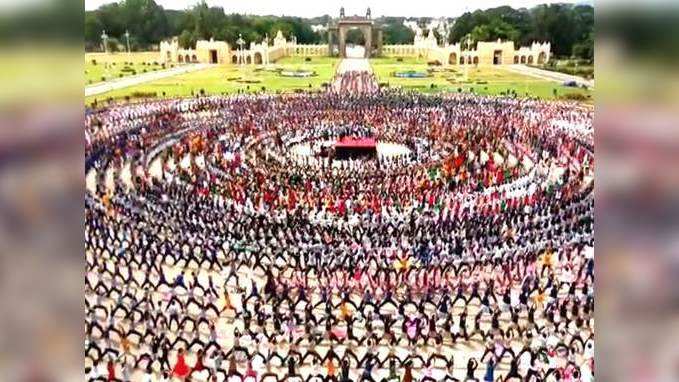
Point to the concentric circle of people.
(215, 251)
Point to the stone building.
(210, 52)
(219, 52)
(484, 53)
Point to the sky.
(306, 8)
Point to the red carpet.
(352, 142)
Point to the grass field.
(101, 67)
(225, 79)
(481, 80)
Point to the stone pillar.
(379, 42)
(367, 36)
(342, 42)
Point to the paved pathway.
(141, 78)
(548, 75)
(354, 65)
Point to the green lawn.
(101, 67)
(481, 80)
(226, 79)
(109, 71)
(232, 78)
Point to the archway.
(187, 58)
(523, 59)
(180, 58)
(248, 60)
(461, 60)
(476, 60)
(530, 60)
(341, 34)
(452, 59)
(194, 58)
(356, 42)
(258, 58)
(469, 60)
(516, 59)
(497, 57)
(234, 59)
(542, 57)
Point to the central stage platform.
(353, 148)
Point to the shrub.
(574, 97)
(399, 59)
(103, 78)
(140, 94)
(307, 59)
(435, 63)
(94, 62)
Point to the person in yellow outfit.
(402, 264)
(539, 299)
(547, 261)
(345, 313)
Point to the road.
(141, 78)
(548, 75)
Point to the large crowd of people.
(355, 82)
(215, 253)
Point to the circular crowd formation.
(218, 250)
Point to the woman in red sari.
(111, 369)
(199, 366)
(180, 369)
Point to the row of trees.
(569, 28)
(148, 23)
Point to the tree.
(569, 28)
(355, 36)
(187, 39)
(397, 34)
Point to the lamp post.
(240, 43)
(127, 38)
(466, 67)
(104, 39)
